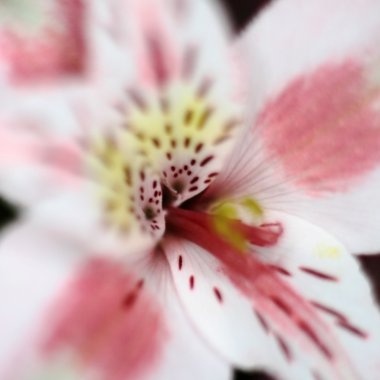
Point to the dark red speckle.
(191, 282)
(262, 321)
(218, 294)
(352, 329)
(284, 349)
(319, 274)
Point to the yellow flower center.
(173, 143)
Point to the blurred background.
(240, 12)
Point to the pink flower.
(190, 204)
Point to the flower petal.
(319, 268)
(290, 39)
(106, 323)
(45, 165)
(313, 126)
(170, 41)
(307, 342)
(42, 40)
(33, 268)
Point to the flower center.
(163, 151)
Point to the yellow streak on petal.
(253, 207)
(327, 251)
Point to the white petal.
(290, 322)
(319, 268)
(223, 316)
(33, 268)
(351, 217)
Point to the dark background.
(240, 12)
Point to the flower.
(189, 203)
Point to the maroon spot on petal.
(205, 161)
(204, 117)
(188, 116)
(130, 299)
(280, 270)
(195, 179)
(352, 329)
(186, 142)
(284, 349)
(191, 282)
(198, 148)
(142, 175)
(140, 284)
(169, 155)
(193, 162)
(194, 188)
(180, 262)
(328, 310)
(315, 339)
(218, 294)
(318, 274)
(262, 321)
(156, 142)
(128, 176)
(281, 305)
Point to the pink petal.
(110, 323)
(323, 128)
(107, 323)
(57, 50)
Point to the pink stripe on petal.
(109, 321)
(57, 50)
(153, 42)
(324, 128)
